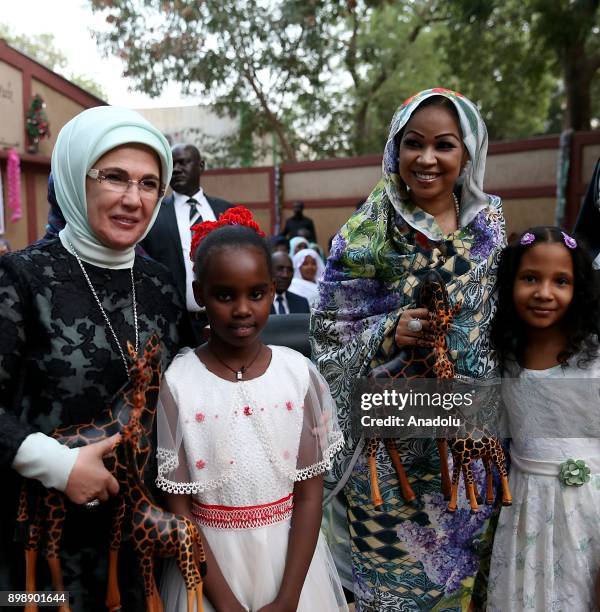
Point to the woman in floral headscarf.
(428, 212)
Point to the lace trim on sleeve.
(326, 464)
(168, 463)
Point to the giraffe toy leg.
(32, 544)
(506, 496)
(200, 565)
(186, 561)
(23, 509)
(407, 492)
(153, 602)
(57, 581)
(113, 594)
(453, 503)
(470, 486)
(30, 567)
(54, 502)
(376, 498)
(500, 462)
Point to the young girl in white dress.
(547, 545)
(245, 433)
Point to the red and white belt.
(243, 517)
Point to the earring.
(404, 190)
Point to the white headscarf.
(294, 242)
(80, 143)
(298, 260)
(300, 286)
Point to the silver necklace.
(238, 373)
(112, 331)
(456, 207)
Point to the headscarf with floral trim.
(238, 215)
(378, 258)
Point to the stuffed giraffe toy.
(154, 531)
(435, 362)
(478, 444)
(418, 362)
(135, 402)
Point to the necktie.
(193, 210)
(280, 307)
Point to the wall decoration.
(13, 176)
(36, 123)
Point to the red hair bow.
(238, 215)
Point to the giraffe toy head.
(141, 374)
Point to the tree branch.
(594, 62)
(350, 57)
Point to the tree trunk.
(578, 76)
(361, 127)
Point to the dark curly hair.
(235, 237)
(582, 319)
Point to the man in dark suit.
(169, 240)
(285, 302)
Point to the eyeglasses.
(150, 188)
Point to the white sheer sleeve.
(172, 463)
(320, 436)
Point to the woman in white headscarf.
(68, 308)
(308, 270)
(297, 243)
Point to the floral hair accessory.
(238, 215)
(527, 238)
(570, 242)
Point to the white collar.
(181, 199)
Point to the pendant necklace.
(238, 373)
(110, 327)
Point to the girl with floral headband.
(545, 332)
(245, 433)
(428, 212)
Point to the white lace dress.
(238, 448)
(547, 545)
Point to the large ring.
(415, 325)
(92, 504)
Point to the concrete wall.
(331, 184)
(243, 186)
(250, 187)
(523, 213)
(591, 154)
(11, 104)
(521, 169)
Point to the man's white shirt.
(284, 301)
(182, 213)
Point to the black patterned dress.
(59, 366)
